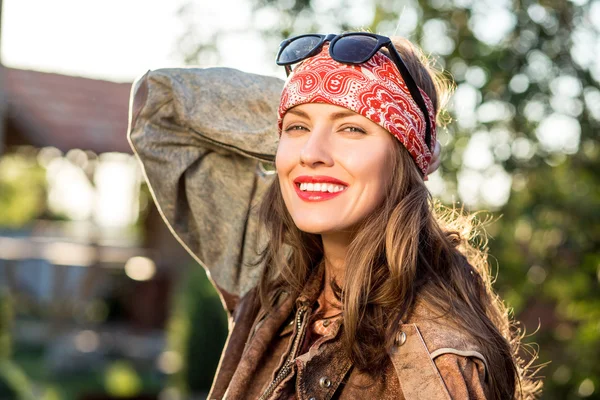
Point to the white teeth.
(321, 187)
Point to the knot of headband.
(374, 89)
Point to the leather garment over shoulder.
(201, 136)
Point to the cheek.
(372, 165)
(383, 167)
(283, 158)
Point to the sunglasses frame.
(382, 41)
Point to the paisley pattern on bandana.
(374, 89)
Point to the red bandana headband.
(374, 89)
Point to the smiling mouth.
(321, 187)
(318, 188)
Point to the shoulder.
(442, 335)
(436, 358)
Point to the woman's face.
(333, 165)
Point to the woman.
(339, 279)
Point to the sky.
(116, 40)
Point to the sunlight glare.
(140, 268)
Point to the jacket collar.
(312, 288)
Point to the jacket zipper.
(287, 367)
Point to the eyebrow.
(342, 114)
(335, 115)
(297, 112)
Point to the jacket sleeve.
(201, 136)
(463, 376)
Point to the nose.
(317, 149)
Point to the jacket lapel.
(418, 376)
(256, 348)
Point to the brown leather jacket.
(201, 136)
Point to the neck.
(335, 247)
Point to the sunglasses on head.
(350, 48)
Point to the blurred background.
(98, 301)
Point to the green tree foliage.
(6, 316)
(526, 109)
(22, 183)
(13, 383)
(197, 331)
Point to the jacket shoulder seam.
(463, 353)
(453, 338)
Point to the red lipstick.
(318, 195)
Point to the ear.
(435, 159)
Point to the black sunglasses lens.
(298, 49)
(354, 48)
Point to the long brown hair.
(408, 248)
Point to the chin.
(313, 227)
(318, 226)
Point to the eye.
(295, 128)
(354, 129)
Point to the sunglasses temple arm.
(414, 91)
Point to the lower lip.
(316, 196)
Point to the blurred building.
(99, 259)
(66, 112)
